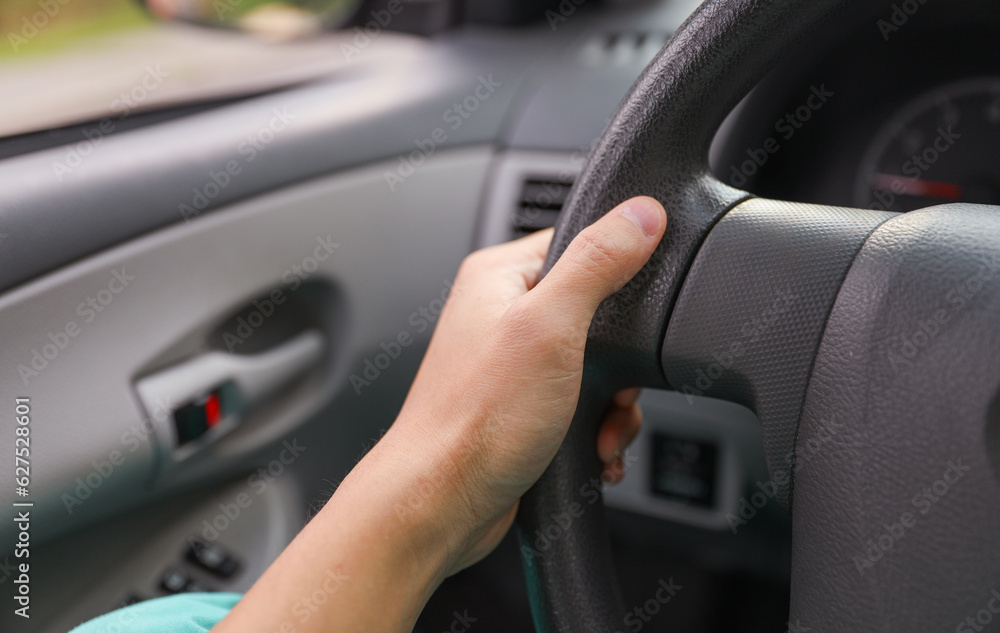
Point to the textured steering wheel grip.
(563, 534)
(657, 145)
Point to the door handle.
(241, 381)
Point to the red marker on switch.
(213, 413)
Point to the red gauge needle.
(915, 187)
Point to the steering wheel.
(866, 342)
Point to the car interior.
(214, 303)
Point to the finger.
(536, 243)
(530, 247)
(613, 472)
(627, 397)
(534, 248)
(619, 428)
(506, 271)
(602, 258)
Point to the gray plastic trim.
(552, 94)
(137, 181)
(93, 571)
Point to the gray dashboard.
(546, 96)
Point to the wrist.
(398, 503)
(378, 536)
(427, 510)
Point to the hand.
(499, 383)
(487, 411)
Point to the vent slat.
(622, 48)
(545, 194)
(527, 219)
(539, 204)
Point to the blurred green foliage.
(30, 27)
(227, 11)
(41, 26)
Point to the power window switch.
(174, 580)
(212, 558)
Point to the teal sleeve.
(182, 613)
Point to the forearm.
(368, 561)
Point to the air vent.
(539, 204)
(622, 48)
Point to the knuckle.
(473, 264)
(521, 321)
(598, 252)
(550, 339)
(485, 259)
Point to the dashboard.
(902, 114)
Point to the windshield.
(69, 61)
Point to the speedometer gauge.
(942, 147)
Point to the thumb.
(603, 258)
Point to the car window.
(64, 62)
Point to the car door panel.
(78, 357)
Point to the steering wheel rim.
(665, 326)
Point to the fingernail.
(646, 213)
